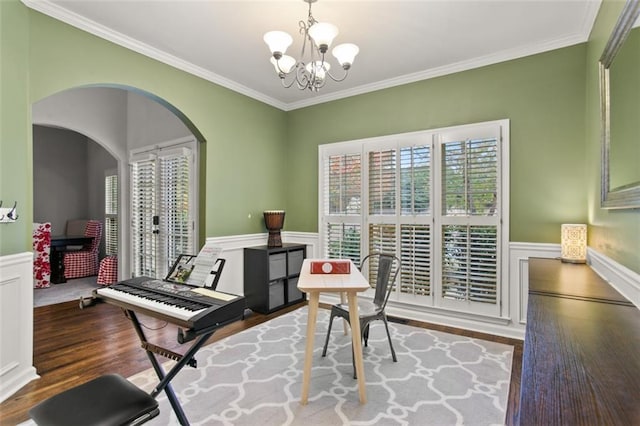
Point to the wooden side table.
(314, 284)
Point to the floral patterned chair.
(41, 252)
(84, 263)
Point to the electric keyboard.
(192, 307)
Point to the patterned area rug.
(255, 378)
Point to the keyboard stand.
(182, 360)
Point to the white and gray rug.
(254, 378)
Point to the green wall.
(614, 233)
(542, 95)
(15, 126)
(245, 138)
(258, 157)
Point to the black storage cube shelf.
(271, 276)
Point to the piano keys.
(192, 307)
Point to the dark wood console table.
(581, 362)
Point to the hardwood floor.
(73, 346)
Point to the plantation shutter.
(163, 202)
(415, 218)
(470, 261)
(342, 210)
(144, 201)
(415, 254)
(382, 182)
(111, 214)
(175, 204)
(436, 199)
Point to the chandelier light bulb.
(345, 54)
(284, 64)
(320, 68)
(278, 42)
(323, 34)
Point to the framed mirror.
(620, 113)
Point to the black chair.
(388, 267)
(109, 400)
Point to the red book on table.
(331, 267)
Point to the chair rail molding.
(16, 323)
(232, 280)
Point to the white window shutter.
(144, 202)
(436, 199)
(342, 206)
(175, 204)
(111, 214)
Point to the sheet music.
(203, 265)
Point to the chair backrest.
(94, 229)
(388, 267)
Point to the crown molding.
(57, 12)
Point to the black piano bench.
(109, 400)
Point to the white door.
(163, 206)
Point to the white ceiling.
(400, 41)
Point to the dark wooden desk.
(59, 245)
(581, 363)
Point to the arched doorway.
(119, 119)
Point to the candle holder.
(274, 221)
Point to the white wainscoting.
(232, 280)
(16, 297)
(16, 323)
(513, 320)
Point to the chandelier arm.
(302, 77)
(346, 73)
(284, 83)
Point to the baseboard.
(9, 387)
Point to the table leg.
(56, 259)
(314, 298)
(356, 338)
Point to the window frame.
(434, 219)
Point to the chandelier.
(310, 71)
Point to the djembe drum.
(274, 221)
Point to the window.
(432, 198)
(111, 213)
(163, 201)
(342, 203)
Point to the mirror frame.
(627, 196)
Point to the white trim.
(519, 254)
(60, 13)
(16, 323)
(621, 278)
(232, 280)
